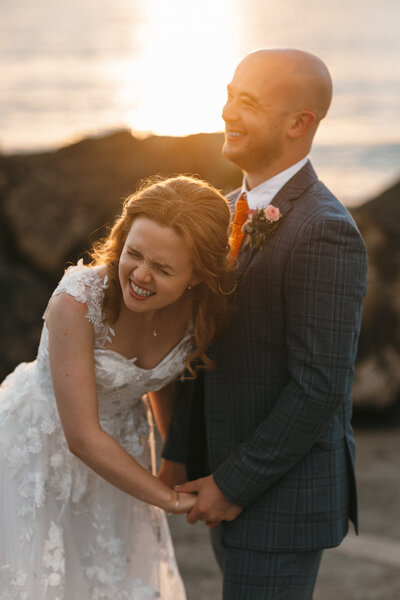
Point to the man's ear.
(301, 123)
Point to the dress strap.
(85, 284)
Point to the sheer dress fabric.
(65, 532)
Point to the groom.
(275, 470)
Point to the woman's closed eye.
(163, 270)
(134, 253)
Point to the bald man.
(274, 466)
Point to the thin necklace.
(155, 331)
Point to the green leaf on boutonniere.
(261, 225)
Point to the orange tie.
(240, 219)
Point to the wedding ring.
(176, 505)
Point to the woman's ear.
(194, 281)
(301, 123)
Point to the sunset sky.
(72, 69)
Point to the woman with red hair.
(80, 513)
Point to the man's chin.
(231, 154)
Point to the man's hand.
(211, 505)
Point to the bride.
(80, 508)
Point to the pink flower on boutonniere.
(272, 213)
(261, 225)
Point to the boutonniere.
(261, 225)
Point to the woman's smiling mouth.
(139, 291)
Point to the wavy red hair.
(200, 214)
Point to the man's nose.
(229, 111)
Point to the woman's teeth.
(140, 291)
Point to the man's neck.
(261, 195)
(255, 178)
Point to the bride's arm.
(72, 370)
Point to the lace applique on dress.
(85, 285)
(53, 559)
(66, 533)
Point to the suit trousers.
(258, 575)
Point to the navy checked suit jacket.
(277, 409)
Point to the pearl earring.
(189, 287)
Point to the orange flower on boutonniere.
(261, 224)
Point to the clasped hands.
(211, 505)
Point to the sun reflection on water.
(176, 83)
(73, 69)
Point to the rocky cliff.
(377, 377)
(53, 205)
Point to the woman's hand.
(182, 503)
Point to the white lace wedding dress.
(65, 533)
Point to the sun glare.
(185, 58)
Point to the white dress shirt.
(263, 194)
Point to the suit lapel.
(294, 188)
(285, 201)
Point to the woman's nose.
(143, 273)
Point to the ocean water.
(71, 69)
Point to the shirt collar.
(263, 194)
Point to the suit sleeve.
(325, 283)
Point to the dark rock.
(54, 204)
(23, 299)
(55, 201)
(377, 376)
